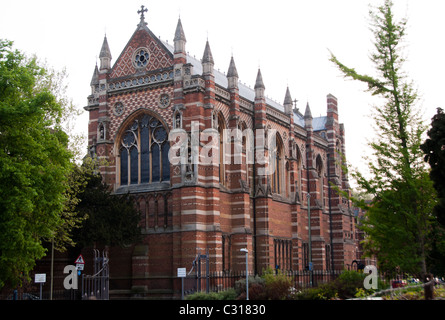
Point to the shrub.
(256, 288)
(278, 289)
(229, 294)
(349, 284)
(256, 292)
(277, 286)
(202, 296)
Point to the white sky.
(289, 40)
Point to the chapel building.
(191, 208)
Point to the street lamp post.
(247, 272)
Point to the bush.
(229, 294)
(256, 292)
(256, 288)
(323, 292)
(277, 285)
(347, 285)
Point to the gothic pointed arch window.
(338, 159)
(278, 165)
(297, 178)
(287, 176)
(319, 169)
(143, 152)
(221, 126)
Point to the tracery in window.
(143, 152)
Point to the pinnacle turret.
(207, 57)
(207, 60)
(259, 86)
(179, 33)
(105, 55)
(179, 44)
(287, 102)
(307, 112)
(232, 75)
(95, 78)
(232, 69)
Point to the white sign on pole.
(182, 272)
(40, 278)
(80, 266)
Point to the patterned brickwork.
(159, 57)
(142, 99)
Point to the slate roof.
(248, 93)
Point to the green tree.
(108, 219)
(34, 164)
(434, 149)
(398, 220)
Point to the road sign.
(40, 278)
(79, 260)
(182, 272)
(80, 266)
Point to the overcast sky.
(288, 40)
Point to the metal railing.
(220, 281)
(96, 286)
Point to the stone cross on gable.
(141, 12)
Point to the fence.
(46, 295)
(219, 281)
(96, 286)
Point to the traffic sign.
(40, 278)
(79, 260)
(182, 272)
(80, 266)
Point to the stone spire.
(207, 57)
(287, 102)
(232, 75)
(105, 55)
(95, 78)
(259, 85)
(308, 117)
(307, 112)
(179, 33)
(179, 41)
(207, 60)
